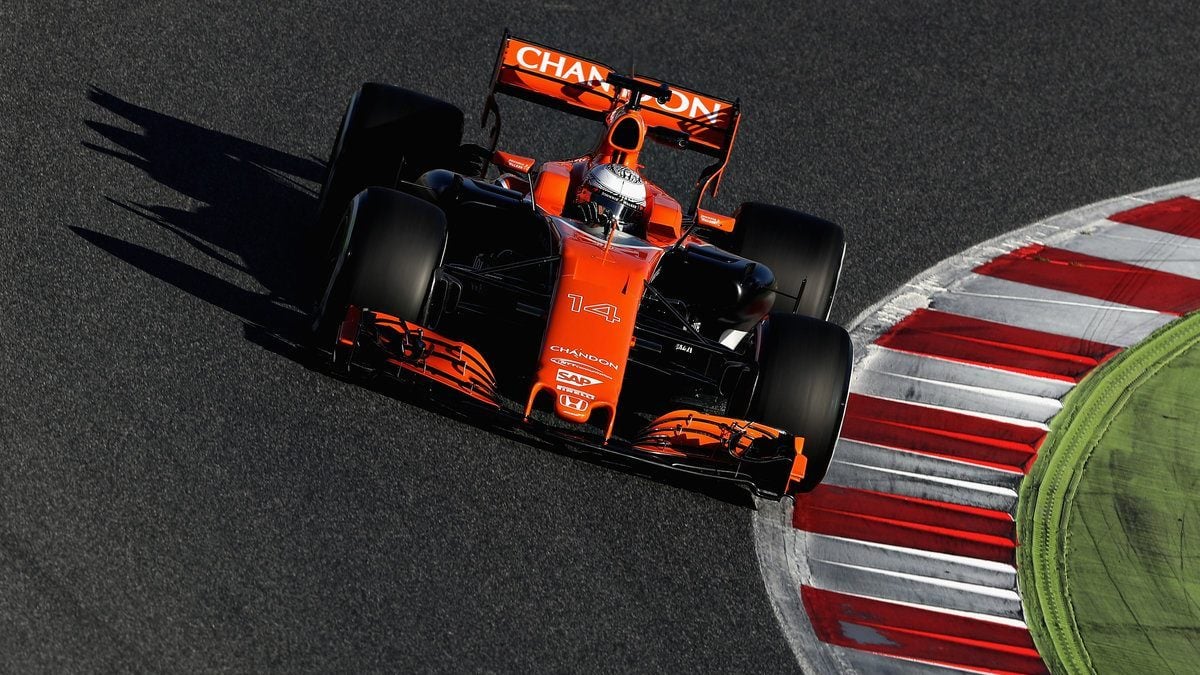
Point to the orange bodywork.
(512, 162)
(715, 221)
(423, 352)
(590, 328)
(685, 433)
(664, 216)
(554, 185)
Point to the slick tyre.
(804, 252)
(386, 135)
(391, 245)
(803, 382)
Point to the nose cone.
(586, 345)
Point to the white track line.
(952, 396)
(933, 368)
(1049, 311)
(920, 486)
(937, 594)
(1140, 246)
(894, 460)
(912, 561)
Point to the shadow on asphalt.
(253, 206)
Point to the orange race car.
(575, 298)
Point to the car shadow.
(253, 205)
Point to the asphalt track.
(178, 491)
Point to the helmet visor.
(616, 210)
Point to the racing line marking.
(903, 560)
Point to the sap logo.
(573, 402)
(575, 379)
(579, 366)
(563, 67)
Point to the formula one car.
(576, 299)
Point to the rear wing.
(558, 79)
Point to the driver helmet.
(612, 194)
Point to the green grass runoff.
(1109, 516)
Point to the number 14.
(604, 309)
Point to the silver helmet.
(612, 194)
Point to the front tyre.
(803, 384)
(389, 247)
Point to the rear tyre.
(387, 135)
(804, 252)
(390, 246)
(802, 387)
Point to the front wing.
(764, 459)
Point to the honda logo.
(573, 402)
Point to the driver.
(612, 195)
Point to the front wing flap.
(410, 348)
